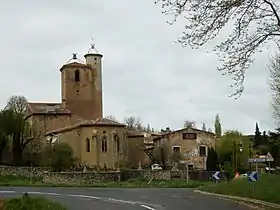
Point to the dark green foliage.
(212, 162)
(14, 127)
(218, 126)
(274, 145)
(59, 156)
(266, 188)
(258, 137)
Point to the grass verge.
(266, 188)
(29, 203)
(132, 183)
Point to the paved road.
(126, 199)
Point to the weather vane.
(74, 57)
(92, 47)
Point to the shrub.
(29, 203)
(59, 156)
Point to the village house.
(190, 144)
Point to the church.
(78, 120)
(99, 142)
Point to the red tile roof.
(47, 108)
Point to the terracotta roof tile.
(47, 108)
(103, 121)
(75, 65)
(99, 121)
(133, 132)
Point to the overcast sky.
(145, 73)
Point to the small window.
(190, 166)
(77, 75)
(176, 150)
(77, 91)
(117, 142)
(95, 59)
(104, 144)
(87, 144)
(189, 136)
(202, 151)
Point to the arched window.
(87, 144)
(117, 142)
(77, 75)
(104, 144)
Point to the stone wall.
(22, 171)
(80, 178)
(145, 174)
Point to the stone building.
(190, 144)
(137, 143)
(78, 118)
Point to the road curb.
(238, 198)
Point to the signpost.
(268, 158)
(253, 177)
(217, 176)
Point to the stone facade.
(100, 143)
(137, 143)
(191, 144)
(78, 119)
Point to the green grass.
(132, 183)
(267, 188)
(30, 203)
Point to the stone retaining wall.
(78, 178)
(22, 171)
(98, 176)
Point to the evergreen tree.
(148, 128)
(218, 127)
(257, 137)
(212, 163)
(264, 138)
(203, 127)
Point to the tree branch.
(274, 11)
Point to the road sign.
(257, 160)
(217, 175)
(253, 176)
(269, 157)
(260, 160)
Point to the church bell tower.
(82, 85)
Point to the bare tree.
(111, 117)
(18, 104)
(133, 122)
(189, 124)
(274, 83)
(255, 24)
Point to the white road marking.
(121, 201)
(43, 193)
(83, 196)
(147, 207)
(7, 191)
